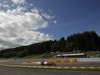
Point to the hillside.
(80, 42)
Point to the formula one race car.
(46, 63)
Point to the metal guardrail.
(88, 59)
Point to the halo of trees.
(80, 42)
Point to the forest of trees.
(80, 42)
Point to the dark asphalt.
(14, 71)
(85, 64)
(18, 71)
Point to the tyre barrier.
(62, 61)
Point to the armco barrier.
(62, 60)
(88, 60)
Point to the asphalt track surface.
(10, 71)
(22, 71)
(78, 64)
